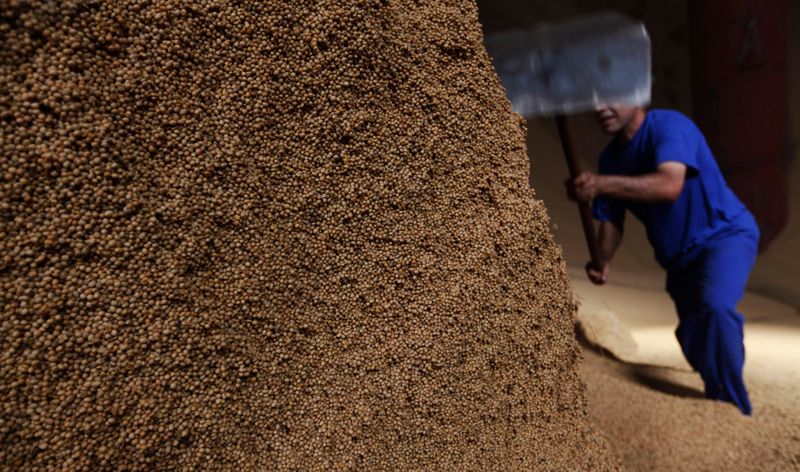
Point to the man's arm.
(663, 185)
(609, 237)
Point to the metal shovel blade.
(574, 66)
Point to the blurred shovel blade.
(574, 66)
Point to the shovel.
(572, 67)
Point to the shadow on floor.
(651, 376)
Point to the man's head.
(619, 118)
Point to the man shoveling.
(659, 167)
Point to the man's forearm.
(609, 237)
(663, 185)
(654, 187)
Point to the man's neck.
(627, 133)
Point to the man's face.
(613, 118)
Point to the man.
(660, 168)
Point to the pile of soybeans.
(274, 235)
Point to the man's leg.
(710, 331)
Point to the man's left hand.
(582, 188)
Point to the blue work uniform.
(706, 240)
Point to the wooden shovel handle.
(583, 207)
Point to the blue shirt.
(705, 205)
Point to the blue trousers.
(706, 283)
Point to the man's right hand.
(582, 188)
(598, 276)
